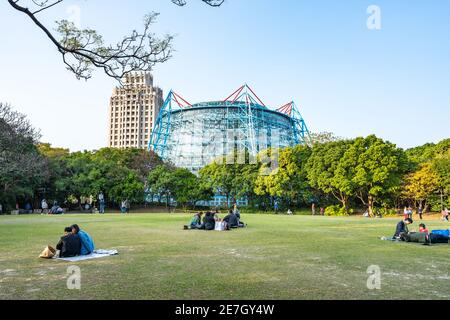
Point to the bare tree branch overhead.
(84, 50)
(212, 3)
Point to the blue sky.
(347, 79)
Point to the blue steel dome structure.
(193, 135)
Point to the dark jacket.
(401, 228)
(209, 222)
(69, 246)
(232, 220)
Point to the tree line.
(336, 173)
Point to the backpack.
(48, 253)
(445, 233)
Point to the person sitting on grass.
(56, 209)
(87, 244)
(69, 245)
(196, 221)
(423, 228)
(236, 211)
(232, 220)
(216, 216)
(402, 227)
(208, 221)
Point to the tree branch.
(83, 50)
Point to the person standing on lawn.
(445, 214)
(101, 201)
(44, 206)
(275, 206)
(410, 212)
(420, 212)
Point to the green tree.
(188, 189)
(441, 165)
(328, 173)
(420, 185)
(56, 168)
(21, 163)
(219, 176)
(289, 181)
(128, 187)
(377, 168)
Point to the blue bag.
(445, 233)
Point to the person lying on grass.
(69, 245)
(87, 244)
(424, 237)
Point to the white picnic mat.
(95, 255)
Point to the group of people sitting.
(423, 236)
(75, 242)
(212, 221)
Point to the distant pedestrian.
(1, 209)
(405, 213)
(322, 211)
(44, 206)
(125, 208)
(410, 212)
(313, 209)
(28, 207)
(264, 206)
(420, 212)
(445, 214)
(101, 200)
(275, 206)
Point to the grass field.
(276, 257)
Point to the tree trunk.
(344, 202)
(370, 203)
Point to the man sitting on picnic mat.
(69, 245)
(87, 244)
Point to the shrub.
(337, 211)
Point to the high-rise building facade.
(133, 109)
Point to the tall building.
(133, 109)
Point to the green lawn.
(276, 257)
